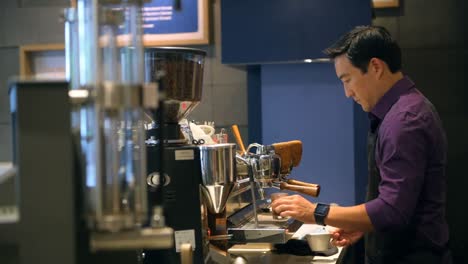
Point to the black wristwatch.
(321, 211)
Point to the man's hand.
(294, 206)
(342, 238)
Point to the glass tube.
(114, 133)
(71, 48)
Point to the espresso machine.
(267, 168)
(208, 192)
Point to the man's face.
(357, 85)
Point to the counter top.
(299, 234)
(264, 253)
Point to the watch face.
(321, 209)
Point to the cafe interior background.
(255, 76)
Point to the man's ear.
(377, 67)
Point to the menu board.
(169, 22)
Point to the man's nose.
(348, 92)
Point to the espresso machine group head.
(269, 167)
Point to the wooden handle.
(290, 153)
(312, 191)
(238, 137)
(296, 182)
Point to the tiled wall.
(31, 22)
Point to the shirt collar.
(391, 96)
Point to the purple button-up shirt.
(410, 155)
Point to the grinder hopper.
(181, 73)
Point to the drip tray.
(268, 230)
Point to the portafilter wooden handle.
(312, 191)
(296, 182)
(235, 131)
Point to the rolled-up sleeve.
(401, 157)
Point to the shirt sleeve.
(401, 157)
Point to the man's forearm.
(349, 218)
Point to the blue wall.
(301, 101)
(307, 102)
(260, 31)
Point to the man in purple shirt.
(403, 220)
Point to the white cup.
(318, 241)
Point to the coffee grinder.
(192, 180)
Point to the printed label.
(186, 154)
(184, 236)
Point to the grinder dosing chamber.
(218, 174)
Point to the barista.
(403, 220)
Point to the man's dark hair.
(363, 43)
